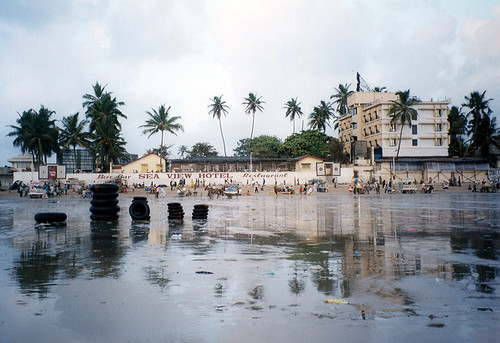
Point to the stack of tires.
(175, 211)
(139, 209)
(200, 211)
(104, 203)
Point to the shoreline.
(268, 191)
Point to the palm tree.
(479, 108)
(293, 110)
(217, 108)
(36, 133)
(402, 112)
(343, 93)
(487, 135)
(159, 121)
(183, 150)
(380, 89)
(101, 105)
(253, 104)
(108, 145)
(457, 129)
(72, 134)
(320, 117)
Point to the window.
(439, 141)
(439, 127)
(354, 125)
(392, 142)
(414, 130)
(354, 111)
(306, 165)
(437, 113)
(414, 142)
(393, 127)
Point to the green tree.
(479, 109)
(293, 110)
(202, 149)
(380, 89)
(218, 107)
(103, 109)
(73, 134)
(341, 96)
(486, 136)
(262, 147)
(101, 105)
(253, 103)
(160, 121)
(321, 116)
(336, 151)
(108, 145)
(457, 130)
(36, 133)
(183, 150)
(402, 112)
(309, 142)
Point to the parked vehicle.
(36, 190)
(408, 185)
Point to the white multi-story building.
(367, 127)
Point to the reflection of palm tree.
(72, 134)
(293, 110)
(401, 112)
(159, 121)
(217, 108)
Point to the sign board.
(327, 169)
(52, 172)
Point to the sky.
(183, 53)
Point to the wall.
(208, 178)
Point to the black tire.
(104, 188)
(139, 210)
(196, 210)
(201, 206)
(110, 210)
(200, 217)
(140, 199)
(104, 217)
(104, 202)
(176, 217)
(173, 204)
(50, 217)
(110, 195)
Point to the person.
(257, 188)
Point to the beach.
(321, 267)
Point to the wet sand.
(326, 267)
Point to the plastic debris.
(336, 301)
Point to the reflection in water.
(266, 252)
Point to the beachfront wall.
(206, 178)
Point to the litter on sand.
(336, 301)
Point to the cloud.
(182, 54)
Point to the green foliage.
(320, 117)
(310, 142)
(218, 107)
(36, 134)
(457, 128)
(336, 152)
(202, 150)
(341, 96)
(253, 103)
(73, 134)
(262, 147)
(402, 112)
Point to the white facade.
(368, 121)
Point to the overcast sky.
(183, 53)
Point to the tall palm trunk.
(253, 122)
(222, 135)
(74, 156)
(399, 143)
(161, 152)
